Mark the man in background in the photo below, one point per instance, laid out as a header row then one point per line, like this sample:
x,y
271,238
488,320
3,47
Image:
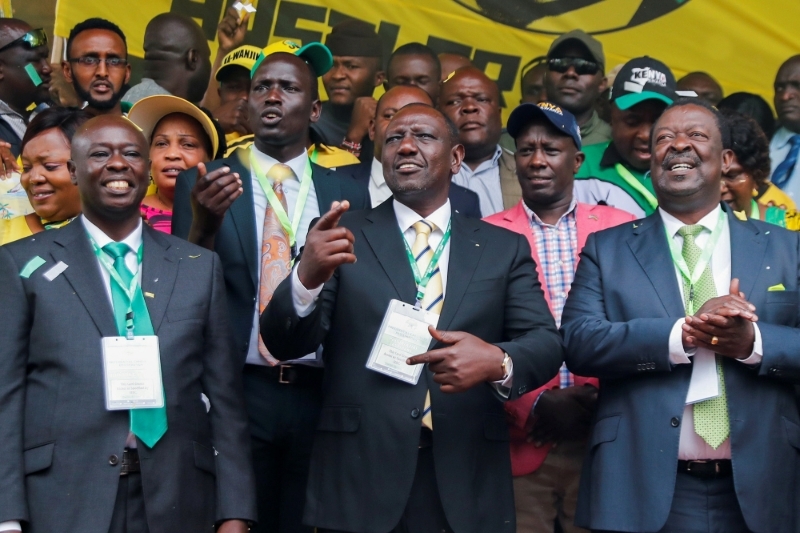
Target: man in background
x,y
414,64
703,85
784,148
451,62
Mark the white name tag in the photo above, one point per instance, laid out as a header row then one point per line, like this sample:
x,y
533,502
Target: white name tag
x,y
403,334
132,372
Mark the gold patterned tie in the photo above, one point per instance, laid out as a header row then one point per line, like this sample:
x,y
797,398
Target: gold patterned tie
x,y
434,295
276,253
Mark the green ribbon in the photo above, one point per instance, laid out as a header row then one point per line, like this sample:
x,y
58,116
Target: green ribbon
x,y
631,180
422,280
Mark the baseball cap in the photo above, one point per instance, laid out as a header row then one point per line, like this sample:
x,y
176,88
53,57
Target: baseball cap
x,y
640,79
315,54
594,46
244,56
147,112
563,120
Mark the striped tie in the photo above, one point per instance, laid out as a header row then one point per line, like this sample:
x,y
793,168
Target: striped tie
x,y
434,295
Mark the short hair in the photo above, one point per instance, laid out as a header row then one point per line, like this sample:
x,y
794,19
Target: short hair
x,y
749,144
699,102
223,143
753,106
452,129
416,49
95,24
66,119
526,68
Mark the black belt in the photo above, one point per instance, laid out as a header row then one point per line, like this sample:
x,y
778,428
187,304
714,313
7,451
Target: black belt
x,y
301,375
130,462
710,469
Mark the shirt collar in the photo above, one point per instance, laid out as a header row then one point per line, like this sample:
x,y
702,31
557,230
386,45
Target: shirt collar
x,y
134,240
407,217
782,137
535,218
6,109
590,124
709,222
298,164
376,173
486,165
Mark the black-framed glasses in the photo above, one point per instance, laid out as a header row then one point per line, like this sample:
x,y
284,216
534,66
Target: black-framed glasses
x,y
94,62
34,39
581,66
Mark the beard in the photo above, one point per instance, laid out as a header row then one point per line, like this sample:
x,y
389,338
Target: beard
x,y
100,105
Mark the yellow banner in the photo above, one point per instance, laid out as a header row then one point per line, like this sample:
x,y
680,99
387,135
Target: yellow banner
x,y
740,43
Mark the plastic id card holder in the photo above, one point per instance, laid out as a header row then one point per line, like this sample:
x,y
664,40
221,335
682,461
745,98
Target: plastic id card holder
x,y
403,334
132,373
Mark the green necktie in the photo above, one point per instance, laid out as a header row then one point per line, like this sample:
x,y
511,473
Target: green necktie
x,y
147,424
710,416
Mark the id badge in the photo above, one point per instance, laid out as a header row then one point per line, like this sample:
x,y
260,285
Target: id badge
x,y
403,334
132,373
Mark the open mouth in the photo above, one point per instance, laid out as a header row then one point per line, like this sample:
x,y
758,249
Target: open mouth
x,y
681,167
118,186
406,167
40,196
102,87
172,172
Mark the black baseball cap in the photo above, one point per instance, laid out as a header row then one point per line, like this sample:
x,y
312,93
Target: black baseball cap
x,y
563,120
643,78
592,45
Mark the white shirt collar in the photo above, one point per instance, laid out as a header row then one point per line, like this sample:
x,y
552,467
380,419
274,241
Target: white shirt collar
x,y
298,164
782,137
407,217
376,173
134,240
672,224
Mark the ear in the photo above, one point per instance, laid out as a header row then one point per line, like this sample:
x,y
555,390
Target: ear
x,y
580,157
127,74
371,130
316,110
192,59
73,177
727,160
380,77
603,85
66,68
456,157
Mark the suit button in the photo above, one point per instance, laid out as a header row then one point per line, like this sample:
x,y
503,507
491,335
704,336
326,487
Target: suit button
x,y
113,460
675,422
523,389
415,413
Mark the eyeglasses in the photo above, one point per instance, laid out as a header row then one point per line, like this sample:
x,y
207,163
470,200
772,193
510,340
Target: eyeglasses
x,y
93,62
34,39
581,66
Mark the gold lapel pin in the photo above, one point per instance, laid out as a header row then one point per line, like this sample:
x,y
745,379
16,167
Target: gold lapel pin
x,y
149,295
194,256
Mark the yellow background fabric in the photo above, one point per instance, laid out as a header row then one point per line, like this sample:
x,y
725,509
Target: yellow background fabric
x,y
741,43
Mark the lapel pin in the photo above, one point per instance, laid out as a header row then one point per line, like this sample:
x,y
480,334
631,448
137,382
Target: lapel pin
x,y
149,295
767,267
635,226
194,256
593,217
476,244
155,280
767,233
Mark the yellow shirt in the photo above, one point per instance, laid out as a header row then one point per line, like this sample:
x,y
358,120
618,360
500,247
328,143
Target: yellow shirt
x,y
777,197
321,154
14,229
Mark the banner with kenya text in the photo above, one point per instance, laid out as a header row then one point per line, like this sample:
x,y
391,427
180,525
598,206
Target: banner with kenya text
x,y
741,43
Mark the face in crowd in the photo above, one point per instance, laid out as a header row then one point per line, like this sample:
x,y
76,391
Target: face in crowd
x,y
18,89
630,131
418,70
390,103
533,89
352,77
787,94
574,79
98,68
178,143
45,176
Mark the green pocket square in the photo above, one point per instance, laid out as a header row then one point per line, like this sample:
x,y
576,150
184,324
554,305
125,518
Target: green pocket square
x,y
778,287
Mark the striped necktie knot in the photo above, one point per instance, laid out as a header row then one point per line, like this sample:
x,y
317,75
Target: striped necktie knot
x,y
279,172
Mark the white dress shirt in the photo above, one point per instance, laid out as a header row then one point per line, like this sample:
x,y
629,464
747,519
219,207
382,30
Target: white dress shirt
x,y
379,192
692,446
778,150
485,181
291,189
305,300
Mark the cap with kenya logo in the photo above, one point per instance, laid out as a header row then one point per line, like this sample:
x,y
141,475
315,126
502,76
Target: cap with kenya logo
x,y
643,78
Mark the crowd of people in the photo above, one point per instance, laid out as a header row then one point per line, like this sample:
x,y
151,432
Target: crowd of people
x,y
234,306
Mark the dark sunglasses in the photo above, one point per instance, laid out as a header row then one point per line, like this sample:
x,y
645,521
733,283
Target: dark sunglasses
x,y
34,39
581,66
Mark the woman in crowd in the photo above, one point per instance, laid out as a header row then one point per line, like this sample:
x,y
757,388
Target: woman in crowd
x,y
749,172
45,150
181,135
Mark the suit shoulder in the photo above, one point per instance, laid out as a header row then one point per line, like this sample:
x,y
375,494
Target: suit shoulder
x,y
495,231
609,213
766,228
32,245
183,249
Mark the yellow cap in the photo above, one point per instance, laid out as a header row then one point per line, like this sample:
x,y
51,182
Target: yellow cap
x,y
244,56
315,54
147,112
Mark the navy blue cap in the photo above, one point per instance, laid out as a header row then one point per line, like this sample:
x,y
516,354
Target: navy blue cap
x,y
563,120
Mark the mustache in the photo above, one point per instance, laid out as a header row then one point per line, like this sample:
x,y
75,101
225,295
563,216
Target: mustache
x,y
667,163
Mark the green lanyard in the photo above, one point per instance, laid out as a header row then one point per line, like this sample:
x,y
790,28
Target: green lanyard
x,y
631,180
694,276
130,291
272,198
754,211
422,281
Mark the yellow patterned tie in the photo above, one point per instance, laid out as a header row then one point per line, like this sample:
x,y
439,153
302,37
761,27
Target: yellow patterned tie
x,y
434,295
276,254
711,421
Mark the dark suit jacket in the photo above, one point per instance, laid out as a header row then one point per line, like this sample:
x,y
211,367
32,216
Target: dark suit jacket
x,y
365,451
462,200
236,241
57,437
623,303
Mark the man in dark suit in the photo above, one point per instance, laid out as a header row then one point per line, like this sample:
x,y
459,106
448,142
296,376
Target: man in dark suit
x,y
69,464
697,428
372,468
370,173
228,207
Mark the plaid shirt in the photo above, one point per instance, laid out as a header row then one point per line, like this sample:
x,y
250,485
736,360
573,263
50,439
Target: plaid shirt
x,y
555,246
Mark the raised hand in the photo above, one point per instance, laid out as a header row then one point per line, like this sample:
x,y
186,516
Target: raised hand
x,y
363,111
233,116
8,160
212,195
327,247
231,31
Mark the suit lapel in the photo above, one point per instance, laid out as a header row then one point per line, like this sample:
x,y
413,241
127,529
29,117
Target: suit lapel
x,y
328,190
748,248
158,275
84,275
243,215
466,246
386,241
650,247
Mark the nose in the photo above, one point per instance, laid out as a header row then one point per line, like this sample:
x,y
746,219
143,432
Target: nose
x,y
407,146
337,72
469,105
643,132
45,69
117,163
537,159
102,69
571,72
273,95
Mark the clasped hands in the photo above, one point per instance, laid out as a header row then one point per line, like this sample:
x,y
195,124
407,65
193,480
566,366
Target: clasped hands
x,y
723,325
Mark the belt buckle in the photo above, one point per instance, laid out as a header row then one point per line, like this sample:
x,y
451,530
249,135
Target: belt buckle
x,y
280,375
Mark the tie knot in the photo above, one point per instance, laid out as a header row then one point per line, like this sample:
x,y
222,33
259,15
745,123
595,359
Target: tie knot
x,y
424,227
116,249
690,231
280,172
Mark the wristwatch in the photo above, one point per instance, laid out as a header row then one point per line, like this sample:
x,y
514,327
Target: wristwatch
x,y
506,365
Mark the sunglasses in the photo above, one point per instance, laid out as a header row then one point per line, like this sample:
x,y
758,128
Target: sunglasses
x,y
34,39
581,66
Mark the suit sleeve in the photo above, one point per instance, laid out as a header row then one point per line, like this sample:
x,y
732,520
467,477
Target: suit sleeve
x,y
534,344
354,192
222,384
14,341
182,206
597,347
